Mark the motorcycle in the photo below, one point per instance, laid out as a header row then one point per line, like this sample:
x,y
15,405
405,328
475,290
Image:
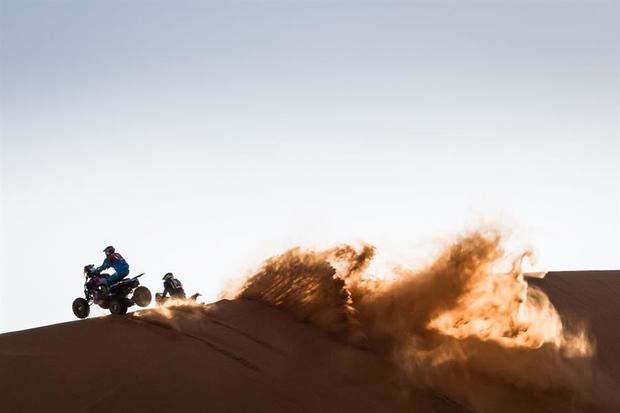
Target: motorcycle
x,y
161,300
117,297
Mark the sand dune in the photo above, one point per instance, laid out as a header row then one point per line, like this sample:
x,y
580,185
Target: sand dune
x,y
230,356
592,297
243,355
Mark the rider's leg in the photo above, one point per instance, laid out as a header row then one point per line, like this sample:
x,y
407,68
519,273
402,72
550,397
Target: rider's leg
x,y
116,276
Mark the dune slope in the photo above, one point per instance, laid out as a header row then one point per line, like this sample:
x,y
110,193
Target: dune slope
x,y
592,297
229,356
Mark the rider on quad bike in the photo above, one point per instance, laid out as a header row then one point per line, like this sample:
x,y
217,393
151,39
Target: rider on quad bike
x,y
116,261
174,287
113,292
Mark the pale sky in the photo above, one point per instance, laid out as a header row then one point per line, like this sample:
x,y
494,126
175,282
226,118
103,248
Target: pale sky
x,y
202,137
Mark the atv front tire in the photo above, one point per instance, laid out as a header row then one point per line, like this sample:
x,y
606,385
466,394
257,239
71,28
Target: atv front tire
x,y
117,306
142,296
81,309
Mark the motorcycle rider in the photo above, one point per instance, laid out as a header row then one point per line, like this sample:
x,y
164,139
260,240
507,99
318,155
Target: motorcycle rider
x,y
116,261
172,286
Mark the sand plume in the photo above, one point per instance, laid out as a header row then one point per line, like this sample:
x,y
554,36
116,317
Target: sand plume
x,y
467,326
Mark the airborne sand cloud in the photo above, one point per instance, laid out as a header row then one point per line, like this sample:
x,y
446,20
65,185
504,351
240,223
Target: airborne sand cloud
x,y
459,326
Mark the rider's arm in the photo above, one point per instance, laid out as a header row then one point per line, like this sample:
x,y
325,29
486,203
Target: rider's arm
x,y
106,264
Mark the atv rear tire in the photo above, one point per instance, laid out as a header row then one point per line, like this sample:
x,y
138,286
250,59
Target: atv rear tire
x,y
142,296
81,309
117,306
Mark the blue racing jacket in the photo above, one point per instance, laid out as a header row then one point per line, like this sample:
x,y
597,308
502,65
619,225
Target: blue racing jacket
x,y
115,261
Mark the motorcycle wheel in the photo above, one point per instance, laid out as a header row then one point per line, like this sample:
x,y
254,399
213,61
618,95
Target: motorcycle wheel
x,y
142,296
160,299
117,306
81,309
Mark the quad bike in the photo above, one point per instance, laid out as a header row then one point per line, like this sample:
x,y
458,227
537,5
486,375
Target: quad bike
x,y
114,297
160,299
